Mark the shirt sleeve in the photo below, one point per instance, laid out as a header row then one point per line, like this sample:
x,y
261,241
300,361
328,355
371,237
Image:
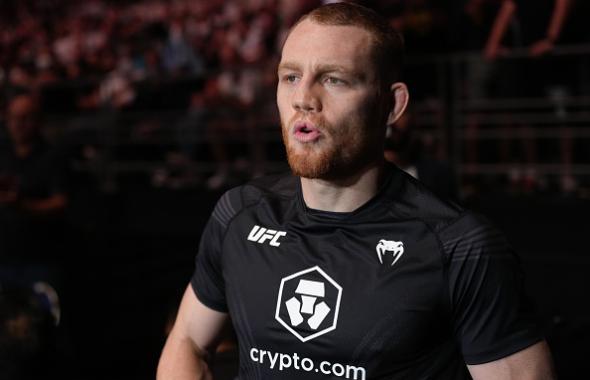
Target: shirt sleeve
x,y
491,315
208,281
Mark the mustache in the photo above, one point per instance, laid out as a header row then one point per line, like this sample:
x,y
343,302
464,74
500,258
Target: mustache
x,y
317,121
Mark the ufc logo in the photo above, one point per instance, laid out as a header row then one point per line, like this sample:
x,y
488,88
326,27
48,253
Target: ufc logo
x,y
261,235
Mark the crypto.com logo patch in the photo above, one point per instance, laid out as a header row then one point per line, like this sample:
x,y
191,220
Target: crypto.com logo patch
x,y
308,303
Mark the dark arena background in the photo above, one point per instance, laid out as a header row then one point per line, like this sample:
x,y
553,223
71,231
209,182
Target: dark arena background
x,y
123,122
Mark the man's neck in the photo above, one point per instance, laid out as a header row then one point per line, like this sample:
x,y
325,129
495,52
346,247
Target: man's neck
x,y
345,195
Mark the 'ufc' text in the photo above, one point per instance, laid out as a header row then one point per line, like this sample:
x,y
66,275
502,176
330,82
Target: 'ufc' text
x,y
261,235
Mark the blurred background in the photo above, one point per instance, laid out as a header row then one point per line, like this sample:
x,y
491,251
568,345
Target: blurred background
x,y
123,121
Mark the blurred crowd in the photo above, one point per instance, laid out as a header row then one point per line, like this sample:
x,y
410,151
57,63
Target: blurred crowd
x,y
120,41
186,72
209,59
48,40
214,60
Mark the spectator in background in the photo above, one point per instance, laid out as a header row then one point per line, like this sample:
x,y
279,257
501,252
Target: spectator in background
x,y
33,200
532,27
178,57
539,24
472,22
240,87
66,47
423,24
190,130
29,348
230,107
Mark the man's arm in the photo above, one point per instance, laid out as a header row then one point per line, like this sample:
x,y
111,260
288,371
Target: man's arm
x,y
505,14
558,17
532,363
193,337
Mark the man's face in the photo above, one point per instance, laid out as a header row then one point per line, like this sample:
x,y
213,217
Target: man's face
x,y
332,107
21,120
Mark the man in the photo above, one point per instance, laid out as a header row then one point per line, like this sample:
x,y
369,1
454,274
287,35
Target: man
x,y
28,177
540,26
33,198
351,268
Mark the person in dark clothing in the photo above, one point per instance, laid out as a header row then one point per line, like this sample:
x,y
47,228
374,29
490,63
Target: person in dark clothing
x,y
33,199
349,267
533,28
29,348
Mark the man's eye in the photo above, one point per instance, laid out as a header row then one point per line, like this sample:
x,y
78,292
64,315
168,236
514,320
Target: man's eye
x,y
334,80
290,78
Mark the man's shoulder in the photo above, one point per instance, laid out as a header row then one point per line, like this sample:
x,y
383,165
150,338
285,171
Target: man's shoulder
x,y
270,188
411,199
452,223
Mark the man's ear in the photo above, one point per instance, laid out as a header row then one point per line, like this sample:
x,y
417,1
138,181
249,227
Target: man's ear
x,y
400,98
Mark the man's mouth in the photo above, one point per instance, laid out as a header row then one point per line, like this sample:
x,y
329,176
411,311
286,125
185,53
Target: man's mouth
x,y
306,132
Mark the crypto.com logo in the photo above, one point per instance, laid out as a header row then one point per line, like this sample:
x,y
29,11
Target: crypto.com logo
x,y
308,303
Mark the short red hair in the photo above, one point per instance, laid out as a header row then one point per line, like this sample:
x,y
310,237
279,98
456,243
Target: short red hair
x,y
388,43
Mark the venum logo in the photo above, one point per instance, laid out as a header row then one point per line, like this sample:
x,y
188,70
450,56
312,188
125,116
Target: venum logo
x,y
308,303
396,248
261,235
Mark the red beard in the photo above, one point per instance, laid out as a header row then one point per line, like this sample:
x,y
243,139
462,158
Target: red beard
x,y
309,164
340,157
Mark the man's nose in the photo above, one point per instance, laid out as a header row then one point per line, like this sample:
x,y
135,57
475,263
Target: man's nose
x,y
306,98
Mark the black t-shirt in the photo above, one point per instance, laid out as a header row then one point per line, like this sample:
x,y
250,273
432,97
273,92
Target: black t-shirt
x,y
405,287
